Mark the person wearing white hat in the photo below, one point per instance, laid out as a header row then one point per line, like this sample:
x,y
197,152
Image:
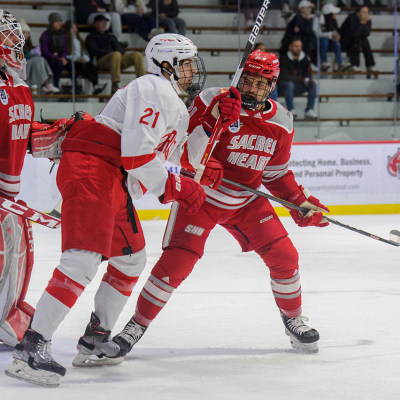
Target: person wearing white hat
x,y
302,25
39,75
326,26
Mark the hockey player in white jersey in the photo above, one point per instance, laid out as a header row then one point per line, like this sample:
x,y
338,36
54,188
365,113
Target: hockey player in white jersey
x,y
143,125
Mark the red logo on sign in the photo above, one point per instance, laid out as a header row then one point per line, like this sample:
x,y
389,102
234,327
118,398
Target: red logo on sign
x,y
394,164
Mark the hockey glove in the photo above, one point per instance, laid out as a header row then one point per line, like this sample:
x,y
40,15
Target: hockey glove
x,y
213,174
228,104
185,191
314,217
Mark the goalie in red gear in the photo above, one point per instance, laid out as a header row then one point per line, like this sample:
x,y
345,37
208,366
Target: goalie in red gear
x,y
253,151
16,242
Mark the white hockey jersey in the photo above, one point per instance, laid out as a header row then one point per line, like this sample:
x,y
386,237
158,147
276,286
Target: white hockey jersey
x,y
152,121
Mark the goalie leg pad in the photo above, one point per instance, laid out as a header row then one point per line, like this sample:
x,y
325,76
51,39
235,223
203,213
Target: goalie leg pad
x,y
16,263
281,257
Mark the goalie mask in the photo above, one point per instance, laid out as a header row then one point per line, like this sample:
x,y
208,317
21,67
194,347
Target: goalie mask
x,y
189,72
258,79
12,43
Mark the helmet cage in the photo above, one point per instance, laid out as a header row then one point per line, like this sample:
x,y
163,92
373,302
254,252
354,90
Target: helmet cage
x,y
250,100
12,52
175,49
259,64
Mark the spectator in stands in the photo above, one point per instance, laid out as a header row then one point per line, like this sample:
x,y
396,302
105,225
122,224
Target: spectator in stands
x,y
39,75
295,78
326,26
78,54
109,54
168,11
87,10
136,15
53,45
302,26
354,34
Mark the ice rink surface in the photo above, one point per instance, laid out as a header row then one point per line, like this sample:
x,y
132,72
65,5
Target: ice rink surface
x,y
221,337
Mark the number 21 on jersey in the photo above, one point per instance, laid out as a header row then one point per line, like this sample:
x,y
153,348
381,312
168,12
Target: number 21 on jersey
x,y
148,118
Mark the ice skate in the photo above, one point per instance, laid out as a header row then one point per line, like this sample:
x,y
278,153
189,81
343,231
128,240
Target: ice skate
x,y
302,337
95,347
129,336
33,362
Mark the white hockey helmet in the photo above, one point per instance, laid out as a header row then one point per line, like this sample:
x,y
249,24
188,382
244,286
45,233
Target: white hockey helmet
x,y
173,48
12,42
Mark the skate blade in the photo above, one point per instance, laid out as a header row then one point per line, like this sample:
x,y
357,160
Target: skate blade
x,y
20,370
89,360
305,348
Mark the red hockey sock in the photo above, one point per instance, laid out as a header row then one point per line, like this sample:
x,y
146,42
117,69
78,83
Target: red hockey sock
x,y
171,269
281,257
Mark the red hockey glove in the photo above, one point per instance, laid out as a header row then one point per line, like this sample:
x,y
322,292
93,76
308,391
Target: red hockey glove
x,y
185,191
213,174
228,104
314,217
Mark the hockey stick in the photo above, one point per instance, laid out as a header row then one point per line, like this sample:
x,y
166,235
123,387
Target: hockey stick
x,y
394,234
56,211
216,133
29,213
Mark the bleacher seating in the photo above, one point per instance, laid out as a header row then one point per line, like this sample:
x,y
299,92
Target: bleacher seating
x,y
345,99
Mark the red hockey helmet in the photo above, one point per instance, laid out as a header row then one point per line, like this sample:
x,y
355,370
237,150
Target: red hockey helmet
x,y
259,64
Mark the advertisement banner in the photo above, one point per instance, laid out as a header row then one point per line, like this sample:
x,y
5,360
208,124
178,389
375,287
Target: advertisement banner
x,y
349,173
346,174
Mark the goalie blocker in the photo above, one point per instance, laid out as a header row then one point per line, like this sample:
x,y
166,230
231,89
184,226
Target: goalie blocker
x,y
16,262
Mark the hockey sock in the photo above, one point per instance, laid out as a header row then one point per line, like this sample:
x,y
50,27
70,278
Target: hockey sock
x,y
281,257
113,293
171,269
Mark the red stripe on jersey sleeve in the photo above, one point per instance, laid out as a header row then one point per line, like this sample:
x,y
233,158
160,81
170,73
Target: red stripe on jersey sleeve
x,y
185,159
136,162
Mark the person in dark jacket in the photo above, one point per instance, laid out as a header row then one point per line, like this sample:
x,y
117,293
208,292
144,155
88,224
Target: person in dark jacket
x,y
302,26
53,45
109,54
295,78
168,11
354,34
87,10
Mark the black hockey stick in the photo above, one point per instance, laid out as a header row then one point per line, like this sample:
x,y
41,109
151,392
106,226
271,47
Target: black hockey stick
x,y
394,234
216,133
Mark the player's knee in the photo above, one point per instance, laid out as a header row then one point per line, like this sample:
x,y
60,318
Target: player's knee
x,y
79,265
131,264
175,265
281,257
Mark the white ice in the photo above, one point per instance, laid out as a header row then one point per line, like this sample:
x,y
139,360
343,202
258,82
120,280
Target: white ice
x,y
221,337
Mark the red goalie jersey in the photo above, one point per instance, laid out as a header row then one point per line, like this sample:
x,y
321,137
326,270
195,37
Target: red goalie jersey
x,y
16,115
254,150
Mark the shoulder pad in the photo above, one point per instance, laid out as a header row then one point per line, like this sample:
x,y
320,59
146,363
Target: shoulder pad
x,y
283,118
208,94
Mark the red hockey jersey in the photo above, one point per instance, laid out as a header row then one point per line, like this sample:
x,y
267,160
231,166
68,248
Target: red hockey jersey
x,y
254,150
16,116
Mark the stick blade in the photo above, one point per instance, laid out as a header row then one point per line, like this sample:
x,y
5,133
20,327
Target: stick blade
x,y
395,236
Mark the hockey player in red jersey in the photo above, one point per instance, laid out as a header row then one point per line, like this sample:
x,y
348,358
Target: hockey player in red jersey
x,y
16,242
253,151
121,150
